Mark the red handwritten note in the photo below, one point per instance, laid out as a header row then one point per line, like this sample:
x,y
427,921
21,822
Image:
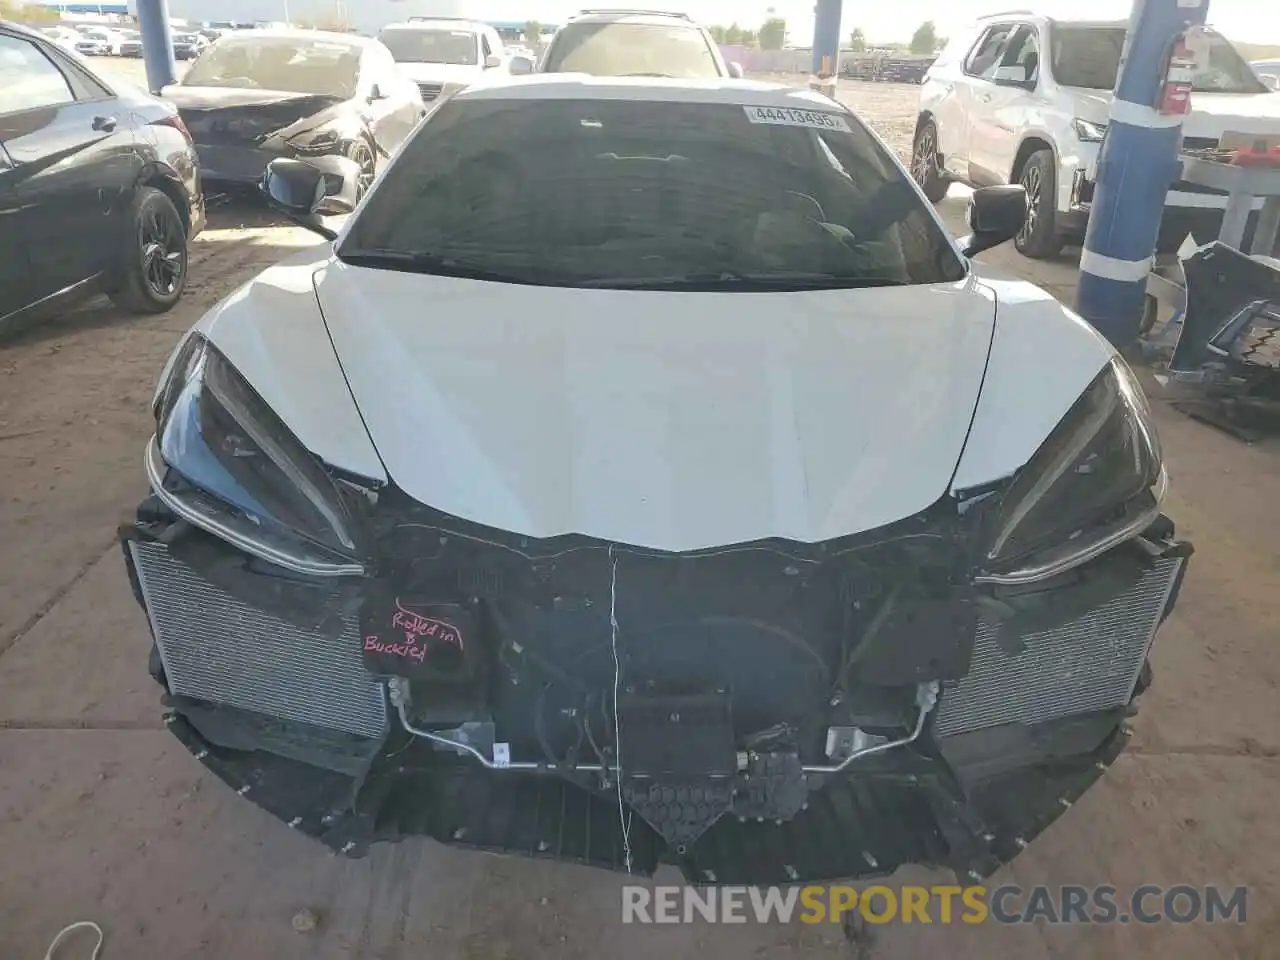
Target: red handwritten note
x,y
402,639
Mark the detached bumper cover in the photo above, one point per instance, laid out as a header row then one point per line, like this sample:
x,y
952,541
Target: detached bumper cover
x,y
266,685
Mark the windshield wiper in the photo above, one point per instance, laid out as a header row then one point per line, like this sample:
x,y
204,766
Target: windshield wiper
x,y
735,280
413,261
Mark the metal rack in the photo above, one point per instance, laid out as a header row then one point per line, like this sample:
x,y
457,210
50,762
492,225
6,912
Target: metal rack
x,y
1242,185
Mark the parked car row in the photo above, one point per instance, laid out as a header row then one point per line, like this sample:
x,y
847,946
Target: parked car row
x,y
248,98
143,162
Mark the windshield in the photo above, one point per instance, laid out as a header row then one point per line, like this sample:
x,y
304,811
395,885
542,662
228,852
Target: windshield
x,y
639,194
1089,57
292,65
631,49
415,45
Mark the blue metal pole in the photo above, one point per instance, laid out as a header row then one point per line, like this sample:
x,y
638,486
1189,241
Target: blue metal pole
x,y
826,37
1137,163
157,43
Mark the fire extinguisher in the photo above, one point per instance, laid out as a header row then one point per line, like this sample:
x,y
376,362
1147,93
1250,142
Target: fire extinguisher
x,y
1180,70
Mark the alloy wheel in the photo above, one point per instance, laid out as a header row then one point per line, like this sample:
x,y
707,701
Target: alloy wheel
x,y
1032,183
924,159
163,252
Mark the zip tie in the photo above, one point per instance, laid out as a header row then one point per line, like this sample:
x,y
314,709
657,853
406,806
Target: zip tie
x,y
72,928
623,819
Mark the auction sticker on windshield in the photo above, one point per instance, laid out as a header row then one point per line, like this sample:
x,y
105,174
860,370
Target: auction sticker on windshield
x,y
791,117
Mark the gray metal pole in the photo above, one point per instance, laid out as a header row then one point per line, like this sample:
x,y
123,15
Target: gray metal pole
x,y
157,43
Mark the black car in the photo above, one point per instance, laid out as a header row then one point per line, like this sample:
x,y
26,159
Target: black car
x,y
261,94
99,186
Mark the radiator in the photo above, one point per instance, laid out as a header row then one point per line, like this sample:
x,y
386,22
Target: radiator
x,y
1091,663
218,649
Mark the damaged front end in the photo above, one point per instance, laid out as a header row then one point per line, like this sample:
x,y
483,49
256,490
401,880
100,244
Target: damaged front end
x,y
936,691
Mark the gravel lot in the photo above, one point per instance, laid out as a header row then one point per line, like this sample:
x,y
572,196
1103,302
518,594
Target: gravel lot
x,y
104,816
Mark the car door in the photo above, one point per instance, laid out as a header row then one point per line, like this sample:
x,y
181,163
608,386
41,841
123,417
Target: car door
x,y
15,268
1006,103
974,93
73,164
397,109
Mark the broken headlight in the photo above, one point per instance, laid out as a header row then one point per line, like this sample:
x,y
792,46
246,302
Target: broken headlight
x,y
240,472
1094,483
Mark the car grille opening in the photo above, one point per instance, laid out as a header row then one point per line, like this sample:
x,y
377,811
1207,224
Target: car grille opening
x,y
218,649
1087,664
430,90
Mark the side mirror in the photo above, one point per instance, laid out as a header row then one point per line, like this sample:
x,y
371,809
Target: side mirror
x,y
377,93
1270,81
305,191
492,61
995,215
519,66
736,71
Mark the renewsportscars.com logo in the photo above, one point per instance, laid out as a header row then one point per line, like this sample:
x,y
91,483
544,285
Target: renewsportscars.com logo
x,y
940,904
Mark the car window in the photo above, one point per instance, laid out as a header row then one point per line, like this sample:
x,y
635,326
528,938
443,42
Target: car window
x,y
84,86
622,49
986,54
287,64
28,79
620,192
1089,57
484,46
1023,50
417,45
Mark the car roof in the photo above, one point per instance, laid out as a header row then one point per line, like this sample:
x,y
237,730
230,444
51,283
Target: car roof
x,y
435,23
1069,21
10,27
632,16
581,86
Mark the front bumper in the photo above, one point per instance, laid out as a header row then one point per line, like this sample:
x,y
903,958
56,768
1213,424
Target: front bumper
x,y
265,684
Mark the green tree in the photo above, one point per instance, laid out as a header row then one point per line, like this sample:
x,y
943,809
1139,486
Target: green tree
x,y
748,38
857,40
27,12
717,33
532,31
773,33
925,39
733,34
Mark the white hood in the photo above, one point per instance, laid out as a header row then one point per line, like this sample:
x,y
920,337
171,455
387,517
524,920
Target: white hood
x,y
451,73
1212,114
676,421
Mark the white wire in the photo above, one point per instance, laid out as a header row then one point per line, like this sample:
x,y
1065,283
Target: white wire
x,y
624,817
71,928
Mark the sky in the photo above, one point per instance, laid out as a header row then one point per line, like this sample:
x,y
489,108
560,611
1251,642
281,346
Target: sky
x,y
1253,21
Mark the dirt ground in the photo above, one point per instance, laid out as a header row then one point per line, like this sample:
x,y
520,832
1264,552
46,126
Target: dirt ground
x,y
104,817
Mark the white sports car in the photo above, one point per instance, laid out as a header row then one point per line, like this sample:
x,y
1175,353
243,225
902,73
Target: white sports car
x,y
643,474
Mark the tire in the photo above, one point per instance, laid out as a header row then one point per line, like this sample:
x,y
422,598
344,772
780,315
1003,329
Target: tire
x,y
1039,237
924,163
362,152
154,272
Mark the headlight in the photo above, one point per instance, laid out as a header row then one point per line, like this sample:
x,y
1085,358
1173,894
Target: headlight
x,y
241,474
1088,131
1096,482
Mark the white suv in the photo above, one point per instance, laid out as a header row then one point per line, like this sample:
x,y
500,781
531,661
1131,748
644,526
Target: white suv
x,y
636,43
1021,98
443,55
